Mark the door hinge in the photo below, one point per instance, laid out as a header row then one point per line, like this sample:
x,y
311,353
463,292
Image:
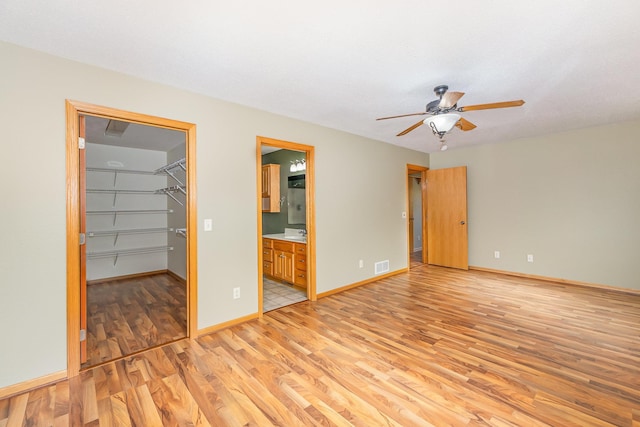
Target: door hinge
x,y
83,239
81,143
83,335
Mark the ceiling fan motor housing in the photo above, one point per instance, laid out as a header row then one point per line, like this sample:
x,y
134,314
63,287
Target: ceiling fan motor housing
x,y
440,90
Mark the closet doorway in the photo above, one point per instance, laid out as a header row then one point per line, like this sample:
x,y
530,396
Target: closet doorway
x,y
131,199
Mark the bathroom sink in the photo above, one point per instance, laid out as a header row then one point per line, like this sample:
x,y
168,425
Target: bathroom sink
x,y
296,238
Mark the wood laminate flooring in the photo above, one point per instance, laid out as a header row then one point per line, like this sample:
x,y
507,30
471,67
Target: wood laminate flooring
x,y
433,346
416,259
125,316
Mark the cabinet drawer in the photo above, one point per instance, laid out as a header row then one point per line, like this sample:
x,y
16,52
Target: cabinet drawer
x,y
300,278
279,245
267,268
301,263
267,243
300,249
267,254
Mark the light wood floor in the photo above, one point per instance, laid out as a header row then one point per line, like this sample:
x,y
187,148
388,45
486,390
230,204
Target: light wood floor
x,y
129,315
416,259
430,347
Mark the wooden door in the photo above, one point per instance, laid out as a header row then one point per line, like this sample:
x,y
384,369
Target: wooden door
x,y
447,217
82,198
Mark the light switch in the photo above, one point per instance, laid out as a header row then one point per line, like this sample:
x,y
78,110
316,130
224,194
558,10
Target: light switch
x,y
208,225
404,214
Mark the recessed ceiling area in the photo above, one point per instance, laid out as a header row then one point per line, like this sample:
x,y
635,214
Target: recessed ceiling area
x,y
344,64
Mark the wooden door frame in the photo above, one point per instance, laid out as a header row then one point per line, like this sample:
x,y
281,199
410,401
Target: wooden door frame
x,y
422,170
309,151
73,110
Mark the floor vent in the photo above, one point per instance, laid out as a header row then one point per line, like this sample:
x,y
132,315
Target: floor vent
x,y
382,267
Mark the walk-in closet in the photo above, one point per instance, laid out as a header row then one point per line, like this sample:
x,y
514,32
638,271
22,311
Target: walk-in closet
x,y
135,211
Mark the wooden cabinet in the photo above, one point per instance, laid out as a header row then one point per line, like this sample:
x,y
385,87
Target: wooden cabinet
x,y
271,188
283,260
267,257
300,273
286,261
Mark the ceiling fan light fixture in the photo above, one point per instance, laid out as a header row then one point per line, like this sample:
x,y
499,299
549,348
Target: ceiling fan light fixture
x,y
442,123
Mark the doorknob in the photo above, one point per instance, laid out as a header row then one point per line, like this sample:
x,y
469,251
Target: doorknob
x,y
461,222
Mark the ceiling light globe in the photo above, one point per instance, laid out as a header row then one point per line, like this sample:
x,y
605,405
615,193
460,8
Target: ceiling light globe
x,y
442,122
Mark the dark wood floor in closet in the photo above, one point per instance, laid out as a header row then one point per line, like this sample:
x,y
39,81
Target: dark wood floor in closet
x,y
129,315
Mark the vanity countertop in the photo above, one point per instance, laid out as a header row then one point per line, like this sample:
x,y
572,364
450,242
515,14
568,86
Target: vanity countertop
x,y
298,238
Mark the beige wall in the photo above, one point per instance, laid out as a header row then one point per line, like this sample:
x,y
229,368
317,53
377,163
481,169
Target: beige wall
x,y
571,199
360,195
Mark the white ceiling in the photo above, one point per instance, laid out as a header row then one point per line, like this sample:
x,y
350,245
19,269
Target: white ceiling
x,y
342,64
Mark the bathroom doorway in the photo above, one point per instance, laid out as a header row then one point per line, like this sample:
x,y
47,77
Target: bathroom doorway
x,y
286,223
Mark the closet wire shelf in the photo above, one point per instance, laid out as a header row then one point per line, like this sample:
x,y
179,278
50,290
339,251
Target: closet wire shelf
x,y
134,251
169,191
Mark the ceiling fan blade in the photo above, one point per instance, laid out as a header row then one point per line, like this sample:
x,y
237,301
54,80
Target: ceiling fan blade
x,y
449,99
409,129
403,115
493,105
464,124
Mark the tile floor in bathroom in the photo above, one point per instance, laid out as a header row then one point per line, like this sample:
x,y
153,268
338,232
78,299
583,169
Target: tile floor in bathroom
x,y
276,295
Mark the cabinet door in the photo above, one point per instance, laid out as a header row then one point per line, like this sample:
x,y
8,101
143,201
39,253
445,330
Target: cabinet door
x,y
266,181
287,267
278,264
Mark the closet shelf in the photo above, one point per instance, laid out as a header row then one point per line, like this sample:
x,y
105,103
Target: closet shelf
x,y
170,190
115,213
177,164
95,190
166,169
130,211
115,170
125,252
127,231
117,233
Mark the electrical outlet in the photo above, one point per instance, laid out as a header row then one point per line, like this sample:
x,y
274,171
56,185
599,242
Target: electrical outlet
x,y
360,264
530,258
496,254
236,293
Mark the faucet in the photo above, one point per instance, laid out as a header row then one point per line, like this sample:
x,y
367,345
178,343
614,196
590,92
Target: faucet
x,y
303,232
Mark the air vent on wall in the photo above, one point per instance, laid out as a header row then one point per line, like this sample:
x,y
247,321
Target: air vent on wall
x,y
382,267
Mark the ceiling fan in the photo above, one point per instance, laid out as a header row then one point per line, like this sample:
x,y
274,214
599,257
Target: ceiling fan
x,y
444,111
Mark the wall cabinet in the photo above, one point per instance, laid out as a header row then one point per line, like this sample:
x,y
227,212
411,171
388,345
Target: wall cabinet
x,y
285,261
271,188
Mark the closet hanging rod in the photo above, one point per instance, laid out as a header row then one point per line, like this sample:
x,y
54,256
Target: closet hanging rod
x,y
128,231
